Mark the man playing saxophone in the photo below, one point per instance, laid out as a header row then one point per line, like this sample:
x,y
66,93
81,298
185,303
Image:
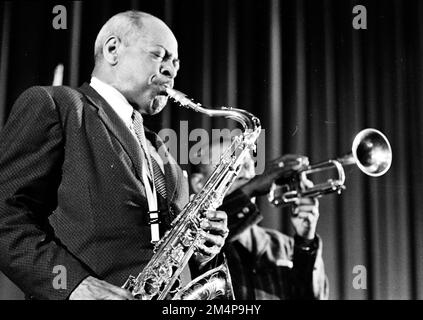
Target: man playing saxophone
x,y
84,186
265,264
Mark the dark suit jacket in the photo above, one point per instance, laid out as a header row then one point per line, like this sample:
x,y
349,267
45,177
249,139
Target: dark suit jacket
x,y
71,194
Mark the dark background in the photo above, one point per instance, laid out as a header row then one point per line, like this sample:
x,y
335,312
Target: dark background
x,y
312,79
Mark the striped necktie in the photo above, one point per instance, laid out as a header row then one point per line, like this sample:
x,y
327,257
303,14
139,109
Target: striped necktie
x,y
159,178
153,166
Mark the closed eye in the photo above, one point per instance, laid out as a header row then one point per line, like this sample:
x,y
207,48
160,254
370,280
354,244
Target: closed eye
x,y
158,56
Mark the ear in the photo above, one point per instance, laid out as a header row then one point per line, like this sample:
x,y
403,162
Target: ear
x,y
110,50
197,182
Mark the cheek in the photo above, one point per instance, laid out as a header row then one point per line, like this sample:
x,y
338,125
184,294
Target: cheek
x,y
139,71
148,66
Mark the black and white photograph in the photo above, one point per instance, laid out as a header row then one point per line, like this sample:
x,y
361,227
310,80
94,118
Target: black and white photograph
x,y
227,150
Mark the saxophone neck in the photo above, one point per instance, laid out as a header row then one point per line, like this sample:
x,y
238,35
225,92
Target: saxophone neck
x,y
249,122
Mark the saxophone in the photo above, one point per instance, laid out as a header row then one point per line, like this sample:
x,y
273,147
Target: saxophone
x,y
159,279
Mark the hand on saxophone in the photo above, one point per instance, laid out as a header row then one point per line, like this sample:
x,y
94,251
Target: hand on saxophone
x,y
95,289
215,231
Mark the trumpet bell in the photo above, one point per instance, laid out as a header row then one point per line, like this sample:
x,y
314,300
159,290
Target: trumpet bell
x,y
372,152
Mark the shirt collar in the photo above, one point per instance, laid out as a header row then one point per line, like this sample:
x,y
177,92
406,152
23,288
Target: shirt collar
x,y
115,99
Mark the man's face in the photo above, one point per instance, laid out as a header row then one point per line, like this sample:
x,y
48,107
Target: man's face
x,y
147,66
247,168
246,174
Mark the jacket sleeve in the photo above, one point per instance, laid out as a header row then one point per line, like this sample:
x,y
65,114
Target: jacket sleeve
x,y
309,280
31,156
242,213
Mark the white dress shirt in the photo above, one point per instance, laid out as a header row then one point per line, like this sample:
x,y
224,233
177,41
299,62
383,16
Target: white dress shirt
x,y
123,109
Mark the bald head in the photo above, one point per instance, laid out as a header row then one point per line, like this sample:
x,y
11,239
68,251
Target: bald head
x,y
128,26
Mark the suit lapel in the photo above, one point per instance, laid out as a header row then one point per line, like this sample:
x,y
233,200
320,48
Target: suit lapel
x,y
115,125
118,128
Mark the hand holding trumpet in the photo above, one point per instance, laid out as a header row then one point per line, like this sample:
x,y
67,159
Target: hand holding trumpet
x,y
305,214
305,210
281,168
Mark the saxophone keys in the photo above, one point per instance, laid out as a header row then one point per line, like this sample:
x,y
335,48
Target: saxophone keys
x,y
129,284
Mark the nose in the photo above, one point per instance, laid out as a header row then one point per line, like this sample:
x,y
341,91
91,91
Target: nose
x,y
247,170
168,70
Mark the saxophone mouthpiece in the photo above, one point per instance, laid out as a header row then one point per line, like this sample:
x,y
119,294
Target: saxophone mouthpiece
x,y
182,99
169,91
175,94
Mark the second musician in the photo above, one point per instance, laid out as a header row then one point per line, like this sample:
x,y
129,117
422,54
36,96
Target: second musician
x,y
264,263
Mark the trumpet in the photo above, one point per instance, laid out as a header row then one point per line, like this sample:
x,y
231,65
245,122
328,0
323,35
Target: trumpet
x,y
370,151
